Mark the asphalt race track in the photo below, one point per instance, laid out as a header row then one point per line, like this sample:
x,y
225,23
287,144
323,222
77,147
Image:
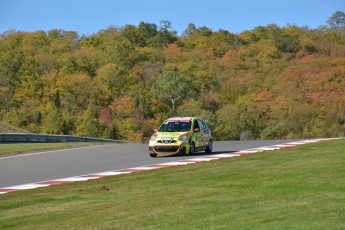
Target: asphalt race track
x,y
51,165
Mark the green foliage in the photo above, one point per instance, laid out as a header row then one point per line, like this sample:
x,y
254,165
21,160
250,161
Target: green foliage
x,y
87,124
337,20
51,123
267,83
172,88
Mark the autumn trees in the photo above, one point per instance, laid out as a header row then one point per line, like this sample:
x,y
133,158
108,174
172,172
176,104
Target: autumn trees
x,y
120,83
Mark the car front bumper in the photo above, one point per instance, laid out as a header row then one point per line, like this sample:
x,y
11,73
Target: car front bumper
x,y
167,149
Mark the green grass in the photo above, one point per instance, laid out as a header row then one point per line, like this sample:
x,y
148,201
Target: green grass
x,y
19,148
296,188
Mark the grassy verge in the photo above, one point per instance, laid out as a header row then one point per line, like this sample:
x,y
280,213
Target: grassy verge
x,y
7,128
295,188
19,148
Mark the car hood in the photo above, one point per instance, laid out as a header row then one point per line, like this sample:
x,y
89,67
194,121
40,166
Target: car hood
x,y
174,135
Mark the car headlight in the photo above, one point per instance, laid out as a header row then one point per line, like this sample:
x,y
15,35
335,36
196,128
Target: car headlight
x,y
183,137
153,137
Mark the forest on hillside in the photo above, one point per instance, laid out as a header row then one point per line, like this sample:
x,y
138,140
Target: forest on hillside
x,y
267,83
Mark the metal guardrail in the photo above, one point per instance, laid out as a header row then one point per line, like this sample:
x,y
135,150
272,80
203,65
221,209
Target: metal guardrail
x,y
45,138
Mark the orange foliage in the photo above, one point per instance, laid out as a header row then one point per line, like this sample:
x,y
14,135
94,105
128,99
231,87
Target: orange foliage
x,y
104,116
263,96
123,107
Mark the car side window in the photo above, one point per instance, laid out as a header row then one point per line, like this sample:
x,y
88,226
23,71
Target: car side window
x,y
196,125
202,125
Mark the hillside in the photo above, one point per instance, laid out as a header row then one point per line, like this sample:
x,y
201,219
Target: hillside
x,y
267,83
7,128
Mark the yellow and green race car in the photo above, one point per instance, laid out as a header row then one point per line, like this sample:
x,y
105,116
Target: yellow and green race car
x,y
181,135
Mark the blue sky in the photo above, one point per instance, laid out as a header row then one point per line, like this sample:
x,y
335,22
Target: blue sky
x,y
90,16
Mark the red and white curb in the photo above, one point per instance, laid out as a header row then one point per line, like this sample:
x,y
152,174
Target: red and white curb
x,y
155,166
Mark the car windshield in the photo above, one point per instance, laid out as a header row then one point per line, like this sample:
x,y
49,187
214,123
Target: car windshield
x,y
175,126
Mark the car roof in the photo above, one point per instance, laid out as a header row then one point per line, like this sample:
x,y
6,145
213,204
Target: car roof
x,y
172,119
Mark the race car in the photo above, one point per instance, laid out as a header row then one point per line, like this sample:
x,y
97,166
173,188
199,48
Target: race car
x,y
181,136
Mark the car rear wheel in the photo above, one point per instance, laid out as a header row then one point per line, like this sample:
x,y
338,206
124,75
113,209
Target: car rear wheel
x,y
191,148
209,147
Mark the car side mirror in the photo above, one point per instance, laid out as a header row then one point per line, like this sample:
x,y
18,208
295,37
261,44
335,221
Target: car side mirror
x,y
155,130
196,130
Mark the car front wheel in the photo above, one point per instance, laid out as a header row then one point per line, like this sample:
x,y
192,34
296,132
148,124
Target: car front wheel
x,y
191,148
153,155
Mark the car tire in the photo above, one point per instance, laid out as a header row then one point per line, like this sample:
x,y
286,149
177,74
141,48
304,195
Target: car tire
x,y
153,155
209,147
191,149
183,152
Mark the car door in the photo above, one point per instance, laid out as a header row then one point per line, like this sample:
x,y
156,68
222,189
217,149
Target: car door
x,y
206,133
198,134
